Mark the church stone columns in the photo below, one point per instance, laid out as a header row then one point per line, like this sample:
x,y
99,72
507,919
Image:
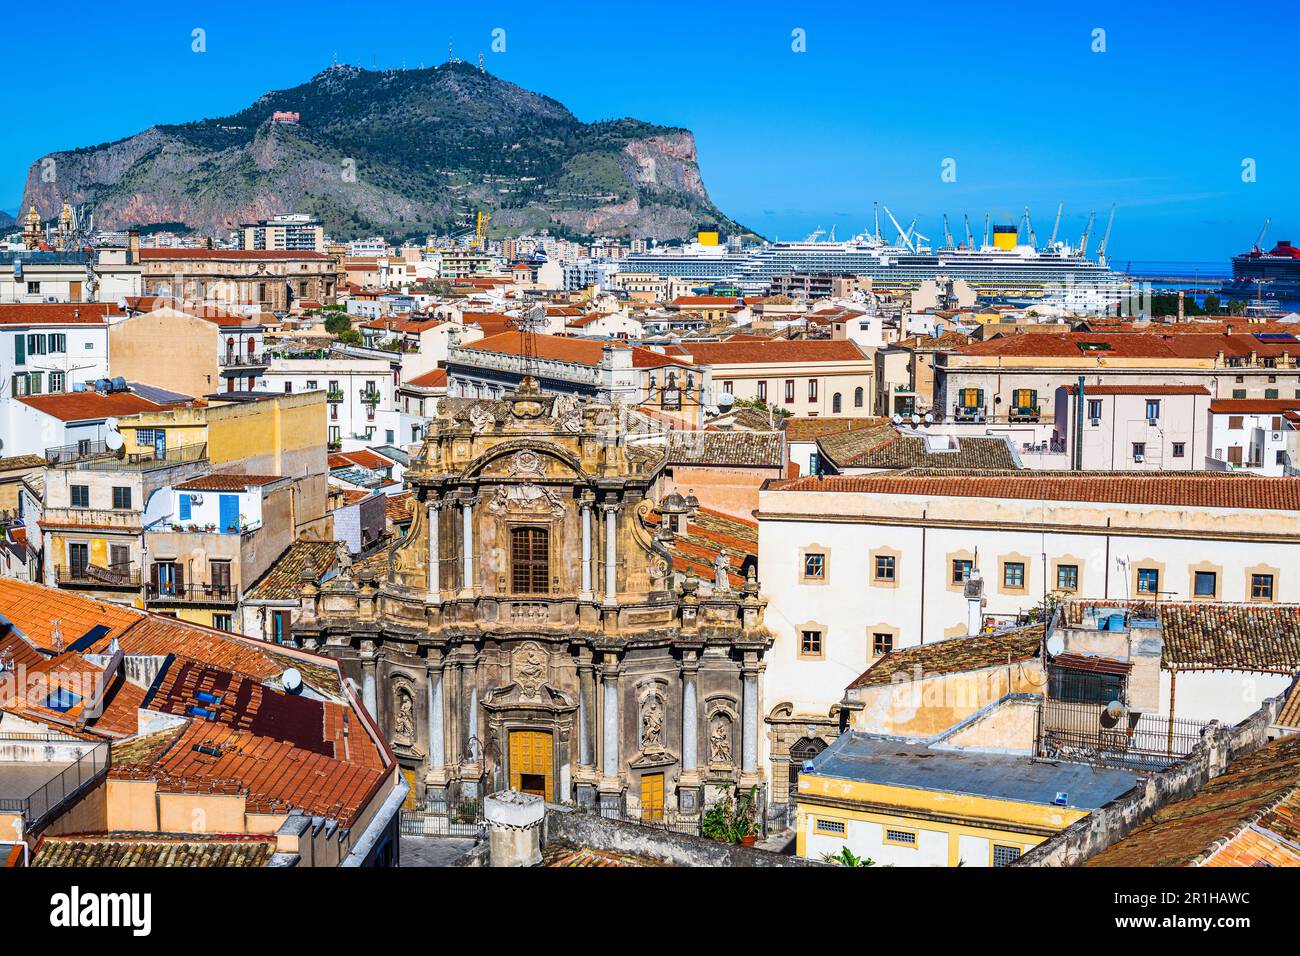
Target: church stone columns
x,y
585,592
435,780
688,784
611,554
434,557
610,785
467,547
749,716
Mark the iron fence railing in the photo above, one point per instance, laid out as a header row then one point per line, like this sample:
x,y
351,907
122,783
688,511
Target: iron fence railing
x,y
93,575
43,803
191,593
1087,733
446,818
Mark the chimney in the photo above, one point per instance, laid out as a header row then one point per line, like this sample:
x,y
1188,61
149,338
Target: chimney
x,y
514,822
133,246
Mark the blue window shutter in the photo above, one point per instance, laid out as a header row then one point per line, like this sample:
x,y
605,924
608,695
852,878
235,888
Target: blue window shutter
x,y
185,508
20,349
229,512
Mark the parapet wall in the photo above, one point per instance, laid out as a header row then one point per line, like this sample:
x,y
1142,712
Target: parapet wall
x,y
1110,824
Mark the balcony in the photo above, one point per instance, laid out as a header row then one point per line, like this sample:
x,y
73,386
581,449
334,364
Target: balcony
x,y
220,594
334,395
78,451
124,577
100,519
233,360
968,413
1024,413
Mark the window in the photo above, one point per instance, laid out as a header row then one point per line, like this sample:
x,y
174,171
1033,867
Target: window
x,y
58,342
1139,450
78,559
1004,855
288,388
221,622
882,643
810,643
812,389
1153,409
1094,408
885,567
1067,577
219,577
1235,421
1261,587
857,397
530,560
1084,687
901,837
80,496
1013,574
831,827
1238,393
762,391
1270,393
729,387
1148,580
961,569
789,390
1205,584
814,565
1180,449
836,404
121,499
57,380
183,512
311,384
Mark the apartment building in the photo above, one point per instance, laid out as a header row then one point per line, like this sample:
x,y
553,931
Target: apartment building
x,y
1010,379
297,232
359,394
867,564
1259,435
1129,427
52,347
33,276
72,424
808,378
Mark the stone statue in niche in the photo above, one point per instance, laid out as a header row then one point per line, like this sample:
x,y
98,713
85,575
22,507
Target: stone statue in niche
x,y
343,557
480,419
567,413
720,740
404,722
528,666
721,564
652,726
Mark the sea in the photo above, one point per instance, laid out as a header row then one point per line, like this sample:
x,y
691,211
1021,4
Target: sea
x,y
1188,274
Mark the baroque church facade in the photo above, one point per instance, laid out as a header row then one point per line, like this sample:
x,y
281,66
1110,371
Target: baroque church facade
x,y
529,632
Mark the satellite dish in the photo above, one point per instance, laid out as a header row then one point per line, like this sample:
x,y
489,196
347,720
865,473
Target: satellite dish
x,y
113,441
897,419
110,424
916,419
1115,709
726,400
291,681
929,419
121,303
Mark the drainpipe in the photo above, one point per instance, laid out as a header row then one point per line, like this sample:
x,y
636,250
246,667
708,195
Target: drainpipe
x,y
1079,406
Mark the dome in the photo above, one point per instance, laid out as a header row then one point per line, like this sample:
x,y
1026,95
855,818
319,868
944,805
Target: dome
x,y
673,504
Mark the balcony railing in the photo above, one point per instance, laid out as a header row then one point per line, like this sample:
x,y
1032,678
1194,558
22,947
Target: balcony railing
x,y
1024,413
95,576
157,593
73,781
78,451
244,360
968,413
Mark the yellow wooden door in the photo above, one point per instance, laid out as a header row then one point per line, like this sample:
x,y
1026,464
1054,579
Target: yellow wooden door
x,y
531,763
409,803
652,796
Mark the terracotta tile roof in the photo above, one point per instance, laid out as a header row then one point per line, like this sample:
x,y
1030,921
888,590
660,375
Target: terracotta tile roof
x,y
362,457
705,300
775,352
1290,715
21,461
58,313
1108,345
276,776
397,508
1185,489
1257,794
759,449
1153,389
955,655
282,581
83,406
435,379
576,351
810,429
218,481
559,854
1253,406
135,849
885,448
34,610
1215,636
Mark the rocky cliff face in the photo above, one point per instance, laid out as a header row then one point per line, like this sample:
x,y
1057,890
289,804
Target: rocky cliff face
x,y
398,153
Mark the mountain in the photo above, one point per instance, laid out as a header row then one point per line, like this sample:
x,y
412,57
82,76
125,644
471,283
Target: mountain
x,y
6,220
397,153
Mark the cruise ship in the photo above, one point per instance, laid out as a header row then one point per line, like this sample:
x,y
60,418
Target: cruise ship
x,y
1003,267
1274,274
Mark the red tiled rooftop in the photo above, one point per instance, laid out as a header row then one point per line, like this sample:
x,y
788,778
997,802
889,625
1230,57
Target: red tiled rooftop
x,y
775,352
1184,489
1141,390
576,351
58,313
231,254
434,379
226,482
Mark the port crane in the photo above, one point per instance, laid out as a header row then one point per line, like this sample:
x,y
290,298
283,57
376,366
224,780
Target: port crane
x,y
1029,229
1101,250
1056,225
903,236
947,235
970,240
1083,240
1259,241
986,228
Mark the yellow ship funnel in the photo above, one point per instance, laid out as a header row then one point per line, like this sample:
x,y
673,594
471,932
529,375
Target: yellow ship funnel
x,y
1005,237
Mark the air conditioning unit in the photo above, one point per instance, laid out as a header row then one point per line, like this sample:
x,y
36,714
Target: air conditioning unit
x,y
1277,436
1096,422
1138,458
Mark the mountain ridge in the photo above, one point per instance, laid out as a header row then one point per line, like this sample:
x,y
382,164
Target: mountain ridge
x,y
397,152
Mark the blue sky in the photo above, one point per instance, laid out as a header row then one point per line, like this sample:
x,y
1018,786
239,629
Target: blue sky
x,y
1159,123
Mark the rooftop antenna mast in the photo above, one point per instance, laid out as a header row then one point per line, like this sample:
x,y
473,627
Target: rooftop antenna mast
x,y
1056,225
527,324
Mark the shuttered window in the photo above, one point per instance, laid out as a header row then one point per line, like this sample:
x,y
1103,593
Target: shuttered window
x,y
530,571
